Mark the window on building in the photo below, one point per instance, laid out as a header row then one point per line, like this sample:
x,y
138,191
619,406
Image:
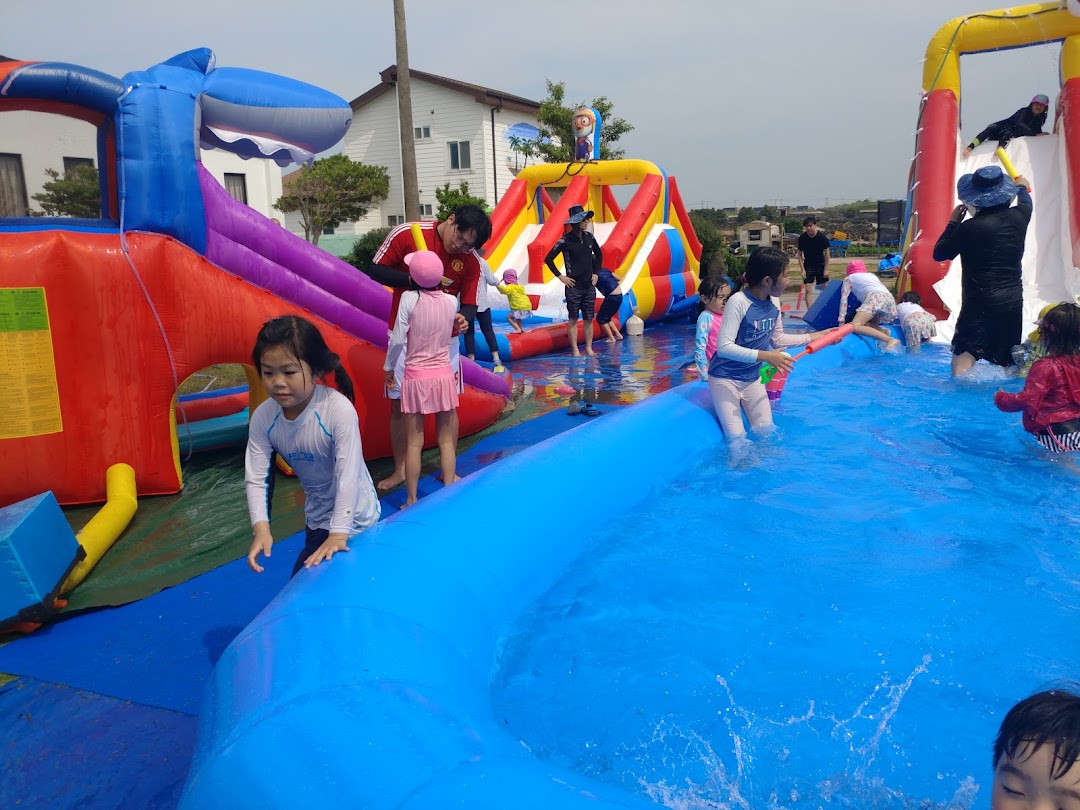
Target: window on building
x,y
755,236
71,162
328,231
236,185
421,133
394,220
13,200
426,210
460,158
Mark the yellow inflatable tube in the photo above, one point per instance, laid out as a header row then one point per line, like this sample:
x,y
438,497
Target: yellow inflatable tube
x,y
993,31
108,524
603,173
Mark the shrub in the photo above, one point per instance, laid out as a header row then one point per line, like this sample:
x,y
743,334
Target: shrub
x,y
364,249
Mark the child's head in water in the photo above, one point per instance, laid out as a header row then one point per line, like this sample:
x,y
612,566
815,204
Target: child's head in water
x,y
714,292
1036,752
1059,330
290,354
766,272
911,297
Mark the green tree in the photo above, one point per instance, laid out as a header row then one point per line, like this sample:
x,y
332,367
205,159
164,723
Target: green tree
x,y
450,199
335,189
715,216
364,249
712,244
746,214
769,214
555,141
76,194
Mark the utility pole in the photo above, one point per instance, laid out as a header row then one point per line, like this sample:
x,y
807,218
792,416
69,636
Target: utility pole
x,y
410,185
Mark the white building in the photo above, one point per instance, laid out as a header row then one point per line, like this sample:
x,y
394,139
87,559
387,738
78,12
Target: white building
x,y
461,132
759,233
31,142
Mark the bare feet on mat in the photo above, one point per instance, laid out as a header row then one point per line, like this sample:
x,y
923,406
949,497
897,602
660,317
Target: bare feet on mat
x,y
391,481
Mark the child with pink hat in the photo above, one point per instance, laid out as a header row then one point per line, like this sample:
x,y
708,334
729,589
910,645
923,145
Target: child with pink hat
x,y
876,305
423,331
520,303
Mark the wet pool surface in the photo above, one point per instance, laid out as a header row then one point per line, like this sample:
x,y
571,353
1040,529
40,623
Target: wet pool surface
x,y
838,614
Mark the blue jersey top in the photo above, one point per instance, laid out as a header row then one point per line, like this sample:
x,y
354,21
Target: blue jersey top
x,y
606,282
750,325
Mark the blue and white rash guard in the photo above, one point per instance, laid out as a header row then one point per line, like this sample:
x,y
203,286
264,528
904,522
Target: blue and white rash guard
x,y
322,445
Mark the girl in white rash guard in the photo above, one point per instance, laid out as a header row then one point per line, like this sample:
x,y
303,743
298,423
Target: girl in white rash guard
x,y
316,430
751,333
876,305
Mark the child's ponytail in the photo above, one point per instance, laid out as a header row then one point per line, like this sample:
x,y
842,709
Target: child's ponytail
x,y
342,380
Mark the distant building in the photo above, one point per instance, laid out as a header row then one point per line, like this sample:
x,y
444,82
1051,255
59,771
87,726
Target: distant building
x,y
757,234
461,131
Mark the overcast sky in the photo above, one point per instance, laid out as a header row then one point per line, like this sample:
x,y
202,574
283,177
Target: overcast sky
x,y
749,102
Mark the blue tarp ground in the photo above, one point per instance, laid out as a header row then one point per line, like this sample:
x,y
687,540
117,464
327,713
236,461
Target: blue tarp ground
x,y
67,748
158,651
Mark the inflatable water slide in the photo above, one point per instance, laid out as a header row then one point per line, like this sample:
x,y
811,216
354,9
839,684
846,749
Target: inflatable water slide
x,y
650,245
1051,163
101,320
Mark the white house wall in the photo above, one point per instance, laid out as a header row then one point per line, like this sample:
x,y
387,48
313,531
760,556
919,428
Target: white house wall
x,y
504,155
451,116
377,143
262,177
45,139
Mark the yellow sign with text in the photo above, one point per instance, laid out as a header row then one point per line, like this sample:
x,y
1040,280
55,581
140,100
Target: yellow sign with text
x,y
29,396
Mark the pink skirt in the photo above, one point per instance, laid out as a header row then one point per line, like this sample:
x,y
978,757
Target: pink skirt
x,y
429,395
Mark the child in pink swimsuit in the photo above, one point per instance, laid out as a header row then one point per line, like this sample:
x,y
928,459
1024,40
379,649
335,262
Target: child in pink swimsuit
x,y
713,292
425,321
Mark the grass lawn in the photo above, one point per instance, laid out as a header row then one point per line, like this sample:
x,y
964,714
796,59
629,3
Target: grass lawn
x,y
213,378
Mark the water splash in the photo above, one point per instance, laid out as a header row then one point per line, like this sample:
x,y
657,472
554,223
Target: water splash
x,y
726,770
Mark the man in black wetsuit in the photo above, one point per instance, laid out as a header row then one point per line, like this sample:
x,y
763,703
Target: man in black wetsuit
x,y
582,259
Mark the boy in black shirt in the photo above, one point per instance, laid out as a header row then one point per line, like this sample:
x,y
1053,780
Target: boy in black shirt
x,y
582,259
813,257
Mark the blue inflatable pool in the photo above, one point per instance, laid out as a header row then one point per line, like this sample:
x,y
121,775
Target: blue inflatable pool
x,y
367,682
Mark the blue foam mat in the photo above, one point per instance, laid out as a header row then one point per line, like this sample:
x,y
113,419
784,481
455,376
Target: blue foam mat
x,y
64,748
158,651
